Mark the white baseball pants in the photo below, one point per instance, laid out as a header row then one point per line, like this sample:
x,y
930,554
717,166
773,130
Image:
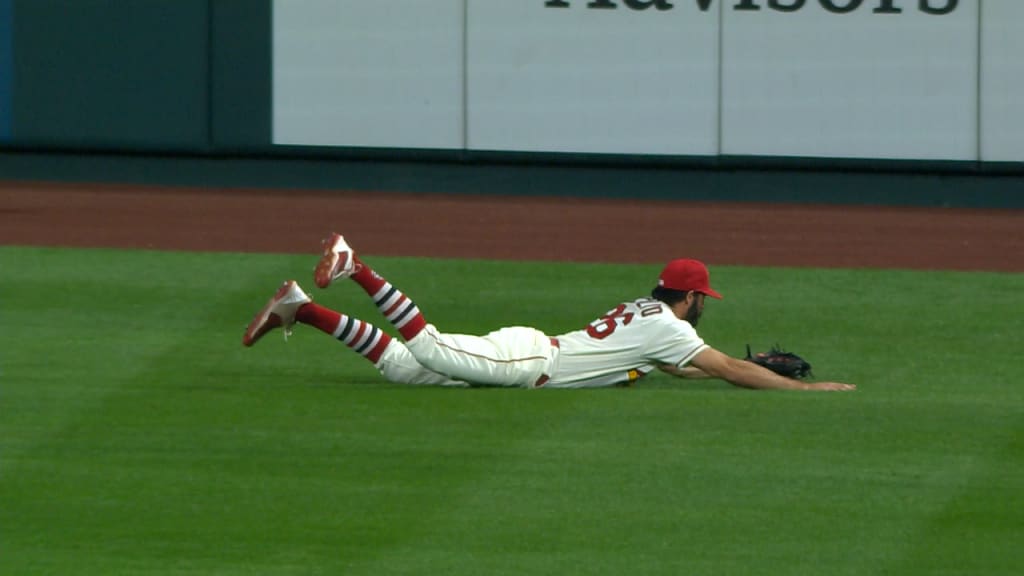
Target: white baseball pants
x,y
516,356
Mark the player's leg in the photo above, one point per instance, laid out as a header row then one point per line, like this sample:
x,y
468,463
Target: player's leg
x,y
515,356
339,260
389,356
398,365
510,357
290,305
362,337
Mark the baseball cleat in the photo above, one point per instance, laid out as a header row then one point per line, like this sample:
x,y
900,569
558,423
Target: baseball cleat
x,y
278,313
338,261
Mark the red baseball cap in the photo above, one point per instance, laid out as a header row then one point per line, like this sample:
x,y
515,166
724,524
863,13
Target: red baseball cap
x,y
685,275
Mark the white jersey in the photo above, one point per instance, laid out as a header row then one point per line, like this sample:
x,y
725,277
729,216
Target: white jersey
x,y
617,348
623,345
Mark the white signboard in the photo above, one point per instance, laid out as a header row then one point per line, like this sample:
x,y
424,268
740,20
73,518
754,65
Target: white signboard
x,y
1002,81
579,79
861,84
820,78
368,73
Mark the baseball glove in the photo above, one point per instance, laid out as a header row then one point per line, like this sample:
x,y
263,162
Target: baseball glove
x,y
781,362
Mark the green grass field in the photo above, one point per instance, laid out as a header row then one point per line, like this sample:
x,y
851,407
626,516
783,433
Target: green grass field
x,y
137,436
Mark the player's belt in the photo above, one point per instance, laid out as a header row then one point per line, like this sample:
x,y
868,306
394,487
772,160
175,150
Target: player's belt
x,y
544,377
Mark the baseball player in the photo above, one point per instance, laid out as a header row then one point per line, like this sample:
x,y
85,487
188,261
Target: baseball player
x,y
618,348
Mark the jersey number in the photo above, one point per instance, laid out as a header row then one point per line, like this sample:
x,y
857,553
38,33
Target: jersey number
x,y
605,325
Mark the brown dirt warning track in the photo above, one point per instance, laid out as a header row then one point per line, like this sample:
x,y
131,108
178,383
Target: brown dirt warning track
x,y
511,227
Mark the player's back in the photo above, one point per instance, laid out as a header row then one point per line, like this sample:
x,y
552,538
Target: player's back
x,y
627,342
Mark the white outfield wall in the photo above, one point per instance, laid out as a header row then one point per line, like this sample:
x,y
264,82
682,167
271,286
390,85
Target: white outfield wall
x,y
368,73
1002,81
862,85
900,79
614,81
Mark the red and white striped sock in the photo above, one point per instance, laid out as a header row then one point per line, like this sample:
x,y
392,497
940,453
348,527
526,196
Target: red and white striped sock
x,y
363,337
402,312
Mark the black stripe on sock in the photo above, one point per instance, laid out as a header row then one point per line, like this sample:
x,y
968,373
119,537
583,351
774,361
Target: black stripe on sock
x,y
348,328
369,340
385,297
405,312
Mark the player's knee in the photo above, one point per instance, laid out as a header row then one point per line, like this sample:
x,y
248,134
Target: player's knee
x,y
424,348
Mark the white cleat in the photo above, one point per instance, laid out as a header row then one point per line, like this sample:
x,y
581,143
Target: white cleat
x,y
278,313
338,261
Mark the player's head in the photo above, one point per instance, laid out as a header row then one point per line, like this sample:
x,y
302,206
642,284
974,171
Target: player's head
x,y
693,309
685,281
685,275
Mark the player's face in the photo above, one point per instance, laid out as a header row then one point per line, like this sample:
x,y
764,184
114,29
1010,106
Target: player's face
x,y
695,310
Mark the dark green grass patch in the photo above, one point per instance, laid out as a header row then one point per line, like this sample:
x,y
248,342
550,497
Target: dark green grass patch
x,y
138,436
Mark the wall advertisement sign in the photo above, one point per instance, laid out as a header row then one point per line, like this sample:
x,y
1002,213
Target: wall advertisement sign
x,y
902,79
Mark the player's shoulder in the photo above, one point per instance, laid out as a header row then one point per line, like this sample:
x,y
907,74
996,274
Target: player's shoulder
x,y
653,311
649,310
648,306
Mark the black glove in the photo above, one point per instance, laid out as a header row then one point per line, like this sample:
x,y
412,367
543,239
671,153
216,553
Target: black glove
x,y
781,362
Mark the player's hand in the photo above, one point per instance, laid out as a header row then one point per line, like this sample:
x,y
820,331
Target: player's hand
x,y
830,386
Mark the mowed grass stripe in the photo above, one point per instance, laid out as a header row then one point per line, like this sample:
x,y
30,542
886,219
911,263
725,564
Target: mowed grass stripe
x,y
153,443
150,411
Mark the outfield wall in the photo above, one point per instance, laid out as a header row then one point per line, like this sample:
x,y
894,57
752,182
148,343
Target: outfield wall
x,y
899,79
731,88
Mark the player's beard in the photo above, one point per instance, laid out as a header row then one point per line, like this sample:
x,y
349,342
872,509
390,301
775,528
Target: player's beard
x,y
693,314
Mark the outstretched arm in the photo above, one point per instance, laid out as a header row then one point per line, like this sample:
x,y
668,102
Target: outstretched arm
x,y
745,374
686,372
